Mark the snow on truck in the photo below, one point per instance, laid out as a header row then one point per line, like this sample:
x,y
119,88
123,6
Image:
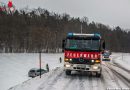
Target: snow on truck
x,y
83,52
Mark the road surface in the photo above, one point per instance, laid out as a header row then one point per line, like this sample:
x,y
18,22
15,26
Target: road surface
x,y
113,78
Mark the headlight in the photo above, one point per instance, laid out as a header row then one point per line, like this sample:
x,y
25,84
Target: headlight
x,y
67,65
92,61
95,67
70,59
66,59
97,61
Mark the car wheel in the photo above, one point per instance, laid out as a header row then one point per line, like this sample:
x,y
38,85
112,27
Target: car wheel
x,y
68,72
98,74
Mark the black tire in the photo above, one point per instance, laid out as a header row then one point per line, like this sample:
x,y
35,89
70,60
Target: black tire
x,y
98,74
68,72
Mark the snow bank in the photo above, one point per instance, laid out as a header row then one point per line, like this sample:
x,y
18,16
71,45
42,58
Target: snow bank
x,y
122,60
34,83
14,67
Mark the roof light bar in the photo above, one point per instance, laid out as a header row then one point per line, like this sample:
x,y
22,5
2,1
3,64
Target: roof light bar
x,y
78,34
84,35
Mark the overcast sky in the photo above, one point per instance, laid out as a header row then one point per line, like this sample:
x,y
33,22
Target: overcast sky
x,y
109,12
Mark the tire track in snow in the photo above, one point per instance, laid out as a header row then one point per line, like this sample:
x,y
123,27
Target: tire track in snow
x,y
101,83
71,82
97,83
90,83
122,78
52,79
119,66
93,82
77,82
119,80
109,74
81,83
119,76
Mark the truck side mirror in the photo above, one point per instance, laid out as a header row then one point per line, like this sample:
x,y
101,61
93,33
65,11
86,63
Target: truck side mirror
x,y
63,44
103,45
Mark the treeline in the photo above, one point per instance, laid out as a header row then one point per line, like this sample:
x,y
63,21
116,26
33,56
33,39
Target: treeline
x,y
41,30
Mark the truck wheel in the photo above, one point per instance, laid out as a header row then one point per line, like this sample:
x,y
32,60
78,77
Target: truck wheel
x,y
98,74
68,72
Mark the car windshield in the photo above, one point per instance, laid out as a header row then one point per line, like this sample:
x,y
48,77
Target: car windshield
x,y
106,54
32,70
41,70
75,44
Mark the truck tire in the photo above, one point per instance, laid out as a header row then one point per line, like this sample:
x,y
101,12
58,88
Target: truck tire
x,y
68,72
98,74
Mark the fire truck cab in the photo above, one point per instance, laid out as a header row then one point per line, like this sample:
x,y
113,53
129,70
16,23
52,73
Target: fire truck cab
x,y
83,52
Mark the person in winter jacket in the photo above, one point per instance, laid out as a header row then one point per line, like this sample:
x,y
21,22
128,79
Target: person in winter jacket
x,y
47,67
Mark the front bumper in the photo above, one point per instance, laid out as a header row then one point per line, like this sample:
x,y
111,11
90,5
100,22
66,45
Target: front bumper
x,y
31,75
106,59
82,67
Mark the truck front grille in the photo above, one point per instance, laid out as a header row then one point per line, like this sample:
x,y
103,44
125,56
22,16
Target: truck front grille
x,y
79,68
81,61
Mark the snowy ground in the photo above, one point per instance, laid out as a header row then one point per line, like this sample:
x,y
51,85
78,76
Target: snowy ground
x,y
14,69
122,60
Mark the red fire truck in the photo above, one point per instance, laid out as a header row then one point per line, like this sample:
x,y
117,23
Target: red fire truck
x,y
83,52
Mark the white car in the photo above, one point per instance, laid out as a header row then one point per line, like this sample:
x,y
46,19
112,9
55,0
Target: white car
x,y
36,72
106,56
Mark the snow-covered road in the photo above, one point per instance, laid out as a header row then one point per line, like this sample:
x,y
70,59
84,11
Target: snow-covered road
x,y
57,80
114,76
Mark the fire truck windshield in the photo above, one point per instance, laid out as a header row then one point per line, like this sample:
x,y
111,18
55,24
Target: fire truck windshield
x,y
83,44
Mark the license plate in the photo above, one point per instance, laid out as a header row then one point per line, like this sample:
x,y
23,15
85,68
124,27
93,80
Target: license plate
x,y
78,65
87,66
82,66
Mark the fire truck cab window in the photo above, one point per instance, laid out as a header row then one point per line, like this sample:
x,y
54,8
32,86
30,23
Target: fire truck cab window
x,y
77,44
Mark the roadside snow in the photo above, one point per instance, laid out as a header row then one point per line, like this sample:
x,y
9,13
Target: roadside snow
x,y
14,73
122,60
34,83
14,67
57,80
